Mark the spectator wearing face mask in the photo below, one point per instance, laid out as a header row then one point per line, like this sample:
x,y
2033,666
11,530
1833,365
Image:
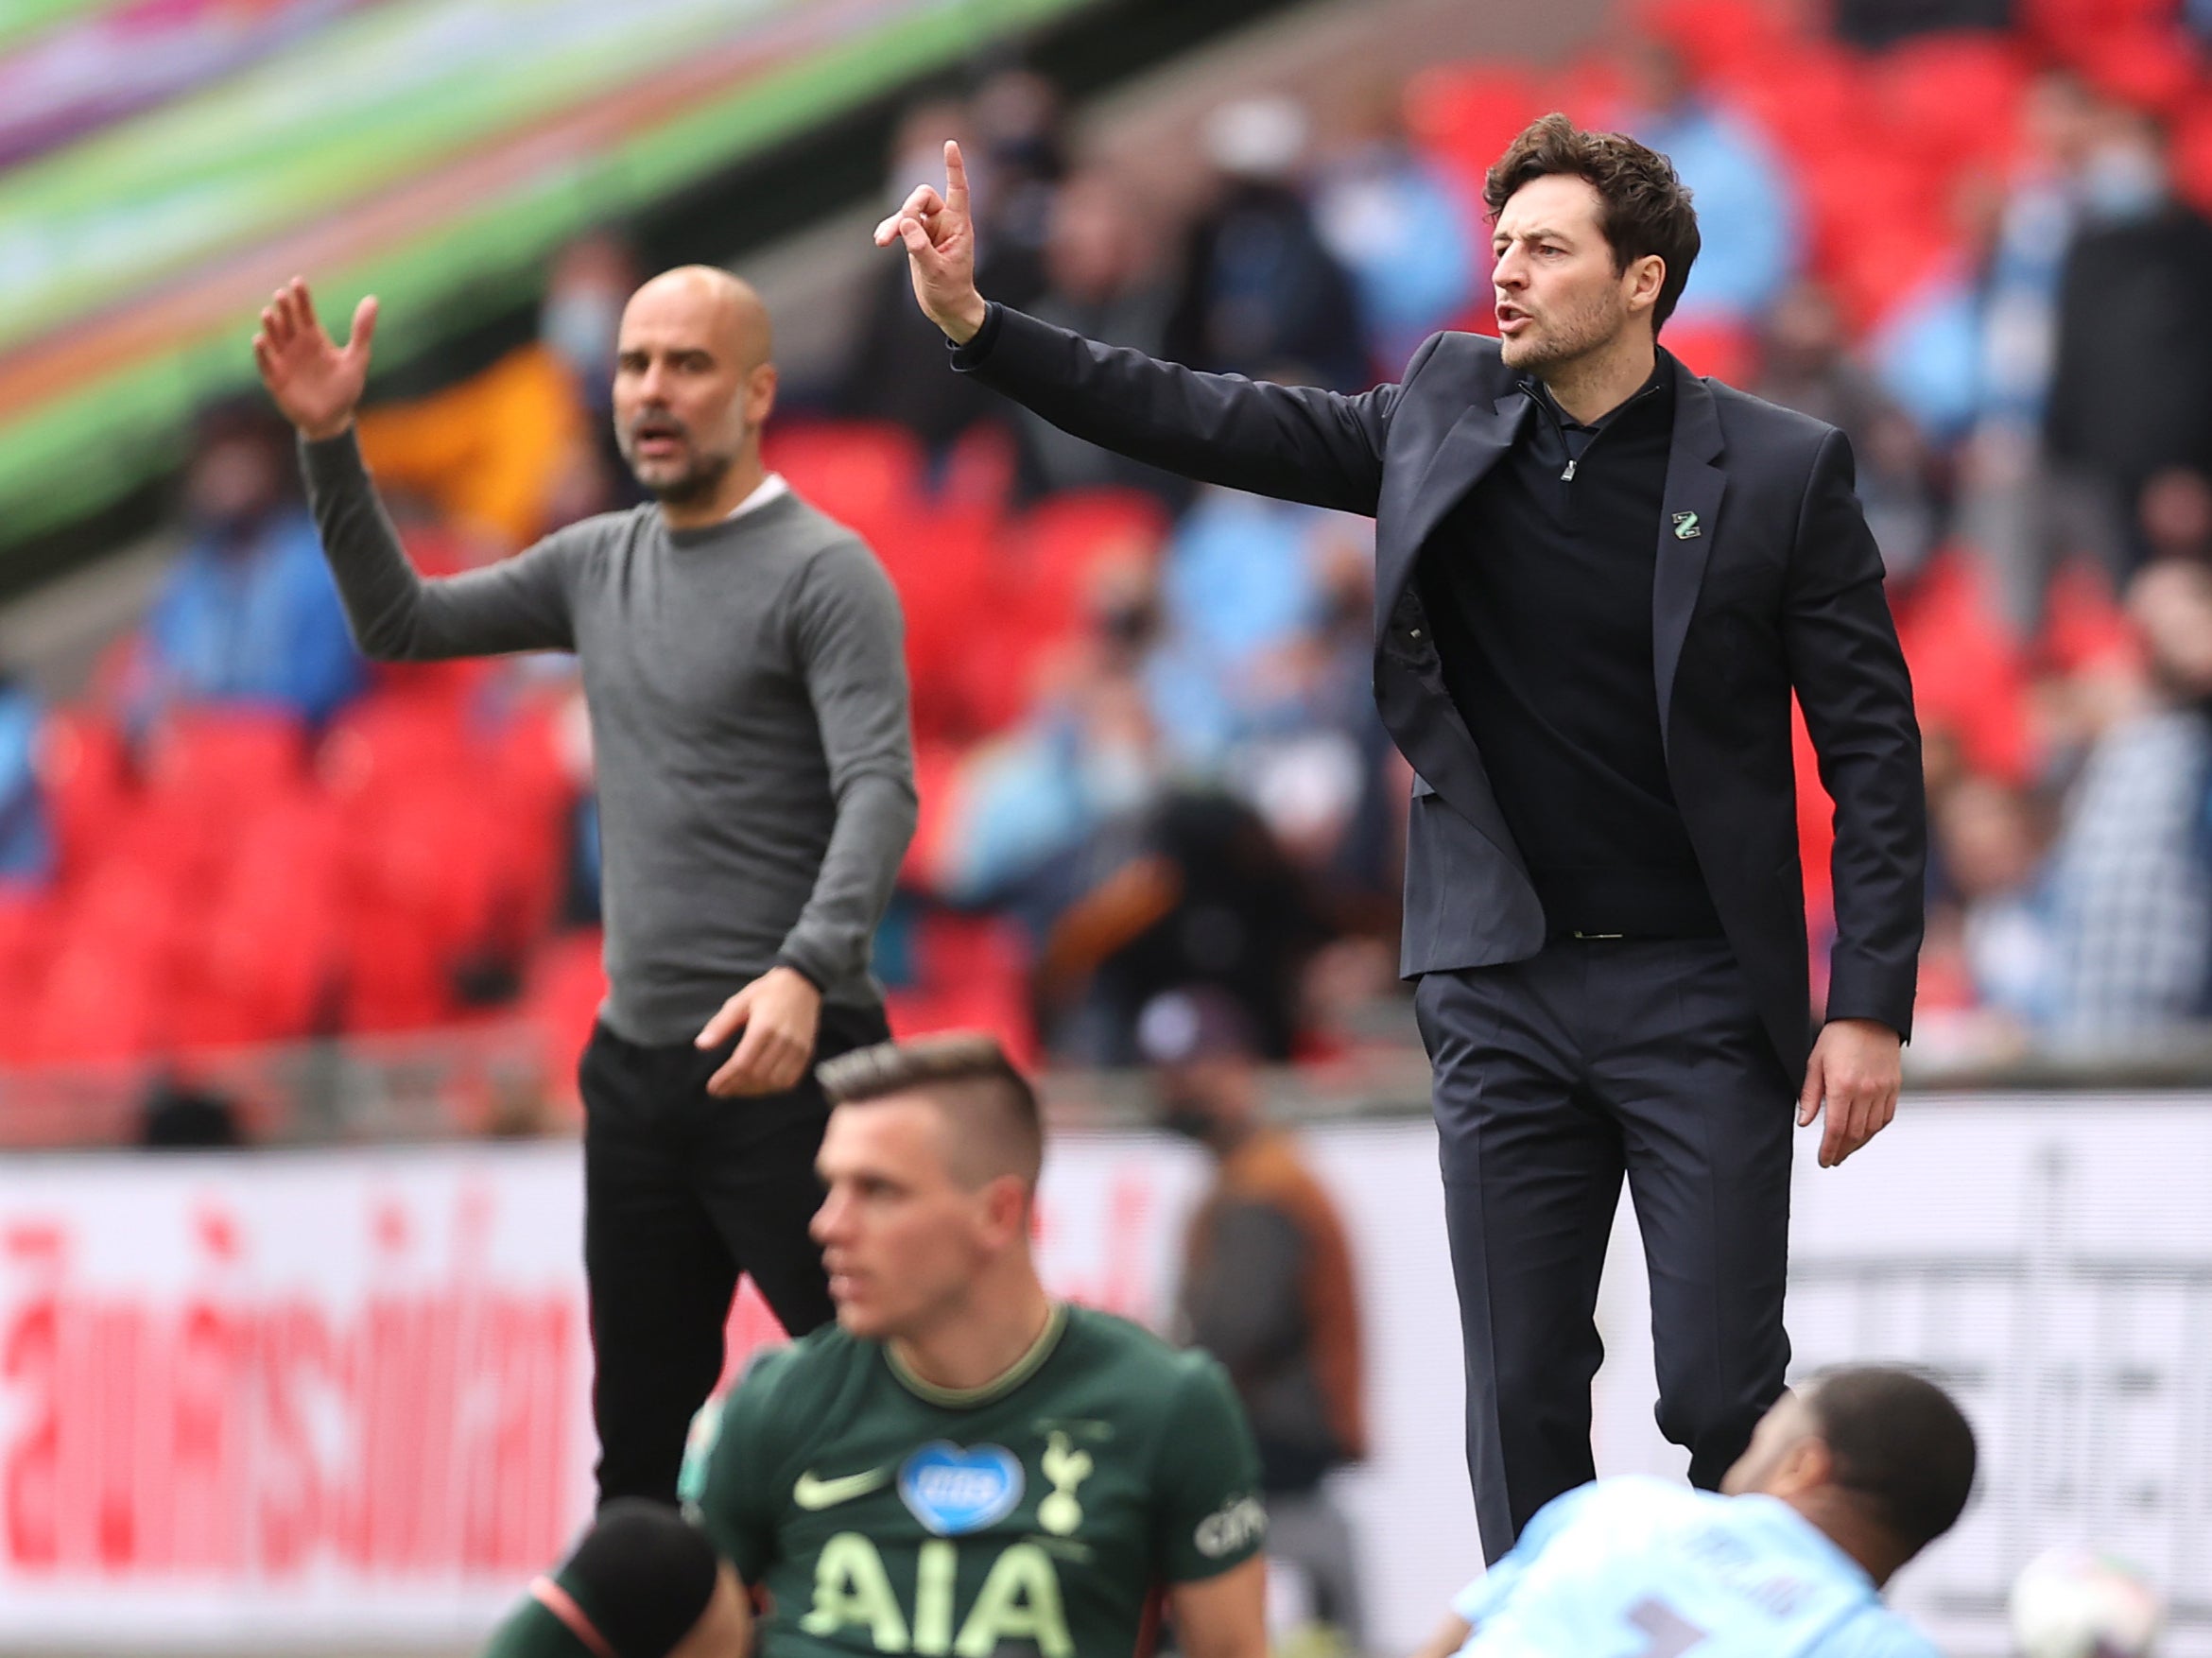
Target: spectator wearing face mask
x,y
2132,386
248,613
526,446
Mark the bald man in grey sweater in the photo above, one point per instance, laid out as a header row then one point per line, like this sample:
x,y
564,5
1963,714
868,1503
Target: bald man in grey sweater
x,y
743,667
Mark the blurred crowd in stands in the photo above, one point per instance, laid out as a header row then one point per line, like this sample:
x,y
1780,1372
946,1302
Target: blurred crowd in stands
x,y
1148,756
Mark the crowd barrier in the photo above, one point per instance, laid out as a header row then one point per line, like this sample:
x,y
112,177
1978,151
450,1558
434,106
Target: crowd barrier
x,y
338,1398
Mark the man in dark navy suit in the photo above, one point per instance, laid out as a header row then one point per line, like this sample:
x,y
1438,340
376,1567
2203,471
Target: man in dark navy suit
x,y
1598,580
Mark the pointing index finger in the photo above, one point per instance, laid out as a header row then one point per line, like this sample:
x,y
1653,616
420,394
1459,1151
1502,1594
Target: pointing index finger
x,y
955,177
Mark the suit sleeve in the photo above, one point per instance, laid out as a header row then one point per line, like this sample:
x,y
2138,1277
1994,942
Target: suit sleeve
x,y
517,604
1294,442
1852,682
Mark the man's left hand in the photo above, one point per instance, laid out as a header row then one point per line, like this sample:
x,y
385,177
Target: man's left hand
x,y
780,1012
1855,1073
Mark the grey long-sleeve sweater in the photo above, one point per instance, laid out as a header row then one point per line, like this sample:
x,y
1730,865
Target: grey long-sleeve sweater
x,y
747,693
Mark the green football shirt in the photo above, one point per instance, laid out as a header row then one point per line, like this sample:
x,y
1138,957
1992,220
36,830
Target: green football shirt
x,y
1038,1514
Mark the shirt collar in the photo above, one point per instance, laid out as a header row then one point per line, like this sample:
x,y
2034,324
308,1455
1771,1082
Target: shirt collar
x,y
999,1386
1661,362
768,490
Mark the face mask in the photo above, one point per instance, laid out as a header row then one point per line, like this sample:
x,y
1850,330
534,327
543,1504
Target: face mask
x,y
582,328
2122,184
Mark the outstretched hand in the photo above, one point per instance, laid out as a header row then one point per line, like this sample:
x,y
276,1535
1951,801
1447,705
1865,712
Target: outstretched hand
x,y
316,383
940,238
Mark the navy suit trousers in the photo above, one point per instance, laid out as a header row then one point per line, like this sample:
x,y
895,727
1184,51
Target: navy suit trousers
x,y
1554,1077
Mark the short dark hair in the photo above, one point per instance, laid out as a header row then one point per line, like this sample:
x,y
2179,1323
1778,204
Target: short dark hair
x,y
1643,207
1899,1444
1000,1127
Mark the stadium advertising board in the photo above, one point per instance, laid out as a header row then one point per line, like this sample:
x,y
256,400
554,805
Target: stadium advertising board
x,y
308,1399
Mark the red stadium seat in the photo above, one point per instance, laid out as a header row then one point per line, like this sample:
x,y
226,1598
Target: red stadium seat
x,y
1717,37
208,771
937,768
102,994
27,920
262,959
944,564
2084,629
2192,152
1723,349
1591,91
562,1000
1816,830
420,891
1463,115
1038,589
1969,676
2149,64
85,776
1812,98
1952,98
974,977
391,739
2076,29
232,756
1050,556
862,474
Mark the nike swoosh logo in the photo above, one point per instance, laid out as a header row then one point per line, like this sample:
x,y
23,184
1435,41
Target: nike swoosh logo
x,y
810,1493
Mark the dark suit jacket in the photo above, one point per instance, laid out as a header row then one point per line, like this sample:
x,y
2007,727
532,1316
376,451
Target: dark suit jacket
x,y
1767,581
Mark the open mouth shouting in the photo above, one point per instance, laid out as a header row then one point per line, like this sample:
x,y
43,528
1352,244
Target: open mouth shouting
x,y
654,435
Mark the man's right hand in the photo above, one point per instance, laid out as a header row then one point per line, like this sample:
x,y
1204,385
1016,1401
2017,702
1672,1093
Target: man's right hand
x,y
939,236
316,384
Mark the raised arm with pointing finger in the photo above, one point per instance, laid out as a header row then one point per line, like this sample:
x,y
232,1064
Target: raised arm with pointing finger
x,y
1600,581
1295,442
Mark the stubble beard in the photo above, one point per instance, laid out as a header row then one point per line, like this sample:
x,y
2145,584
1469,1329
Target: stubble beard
x,y
1582,332
692,481
693,486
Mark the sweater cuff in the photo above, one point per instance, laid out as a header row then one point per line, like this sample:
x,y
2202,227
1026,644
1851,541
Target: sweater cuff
x,y
965,358
331,458
812,975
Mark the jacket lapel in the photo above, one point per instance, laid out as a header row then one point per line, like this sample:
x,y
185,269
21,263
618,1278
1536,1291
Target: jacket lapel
x,y
1469,449
1689,519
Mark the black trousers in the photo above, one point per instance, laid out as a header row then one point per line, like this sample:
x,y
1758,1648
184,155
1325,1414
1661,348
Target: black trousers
x,y
683,1192
1554,1077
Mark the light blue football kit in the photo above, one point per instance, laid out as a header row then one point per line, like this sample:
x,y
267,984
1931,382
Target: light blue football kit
x,y
1636,1567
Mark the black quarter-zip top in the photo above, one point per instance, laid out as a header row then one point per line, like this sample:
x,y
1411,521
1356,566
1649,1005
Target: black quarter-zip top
x,y
1538,584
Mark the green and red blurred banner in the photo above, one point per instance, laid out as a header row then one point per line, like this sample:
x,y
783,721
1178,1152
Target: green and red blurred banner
x,y
433,151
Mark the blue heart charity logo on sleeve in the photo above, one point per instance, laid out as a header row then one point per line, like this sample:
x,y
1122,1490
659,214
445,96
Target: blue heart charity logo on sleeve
x,y
955,1492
